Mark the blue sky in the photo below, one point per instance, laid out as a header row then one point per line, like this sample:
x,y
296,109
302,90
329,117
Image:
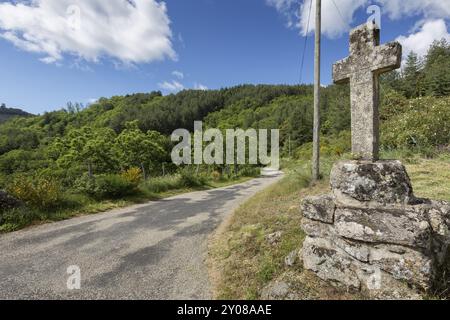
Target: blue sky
x,y
208,44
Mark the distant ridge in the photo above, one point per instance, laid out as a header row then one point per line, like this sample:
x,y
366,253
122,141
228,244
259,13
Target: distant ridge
x,y
7,113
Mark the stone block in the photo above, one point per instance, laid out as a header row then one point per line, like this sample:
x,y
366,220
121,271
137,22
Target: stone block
x,y
408,227
411,266
316,229
330,263
320,208
381,182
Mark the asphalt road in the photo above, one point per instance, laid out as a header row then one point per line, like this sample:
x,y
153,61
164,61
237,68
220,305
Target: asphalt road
x,y
155,250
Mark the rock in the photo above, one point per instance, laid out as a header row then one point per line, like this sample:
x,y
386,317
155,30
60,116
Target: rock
x,y
405,264
319,208
333,264
407,227
329,262
291,258
317,229
274,238
438,214
277,290
380,285
383,182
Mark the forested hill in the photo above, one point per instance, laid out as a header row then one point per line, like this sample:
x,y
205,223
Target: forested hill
x,y
152,111
415,113
8,113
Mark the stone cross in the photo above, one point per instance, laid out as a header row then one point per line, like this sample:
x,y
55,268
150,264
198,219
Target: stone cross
x,y
362,68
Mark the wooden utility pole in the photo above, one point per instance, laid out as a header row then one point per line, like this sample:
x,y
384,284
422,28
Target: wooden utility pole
x,y
316,133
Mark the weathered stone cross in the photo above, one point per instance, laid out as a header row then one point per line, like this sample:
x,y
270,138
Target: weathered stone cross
x,y
363,67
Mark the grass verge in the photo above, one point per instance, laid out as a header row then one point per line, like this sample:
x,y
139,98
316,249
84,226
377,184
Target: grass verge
x,y
78,205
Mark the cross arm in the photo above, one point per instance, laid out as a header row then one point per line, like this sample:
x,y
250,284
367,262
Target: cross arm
x,y
388,57
342,71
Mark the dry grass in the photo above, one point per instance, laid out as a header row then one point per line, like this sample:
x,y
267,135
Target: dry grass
x,y
431,178
243,262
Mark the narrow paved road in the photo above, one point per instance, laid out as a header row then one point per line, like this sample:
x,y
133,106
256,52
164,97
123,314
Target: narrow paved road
x,y
151,251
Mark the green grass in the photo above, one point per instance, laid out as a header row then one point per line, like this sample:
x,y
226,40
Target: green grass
x,y
242,262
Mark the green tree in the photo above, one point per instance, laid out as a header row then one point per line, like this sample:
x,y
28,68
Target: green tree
x,y
437,69
139,149
93,148
413,77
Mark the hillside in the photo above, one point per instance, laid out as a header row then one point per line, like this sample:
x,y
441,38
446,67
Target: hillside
x,y
8,113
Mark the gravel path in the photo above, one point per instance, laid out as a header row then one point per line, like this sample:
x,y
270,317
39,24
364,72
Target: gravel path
x,y
155,250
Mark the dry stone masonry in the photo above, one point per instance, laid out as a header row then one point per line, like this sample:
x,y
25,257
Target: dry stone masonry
x,y
371,233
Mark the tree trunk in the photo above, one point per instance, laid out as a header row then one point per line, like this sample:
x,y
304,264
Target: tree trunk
x,y
144,173
197,170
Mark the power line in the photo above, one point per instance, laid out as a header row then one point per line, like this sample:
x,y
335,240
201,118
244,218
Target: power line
x,y
339,12
306,43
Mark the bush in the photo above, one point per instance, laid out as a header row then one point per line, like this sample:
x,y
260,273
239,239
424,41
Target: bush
x,y
163,184
249,171
109,186
425,125
15,219
86,185
38,192
330,146
216,175
190,180
133,175
113,186
8,202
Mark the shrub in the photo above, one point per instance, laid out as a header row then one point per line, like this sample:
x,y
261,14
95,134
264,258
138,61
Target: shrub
x,y
38,192
216,175
16,218
163,184
190,179
133,175
8,202
113,186
86,185
330,146
109,186
249,171
425,124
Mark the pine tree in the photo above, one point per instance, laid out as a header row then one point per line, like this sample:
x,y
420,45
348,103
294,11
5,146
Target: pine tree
x,y
437,69
413,84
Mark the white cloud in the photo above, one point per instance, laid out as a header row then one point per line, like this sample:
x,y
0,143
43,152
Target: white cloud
x,y
420,41
338,15
429,8
199,86
172,86
130,32
336,20
334,23
286,8
178,74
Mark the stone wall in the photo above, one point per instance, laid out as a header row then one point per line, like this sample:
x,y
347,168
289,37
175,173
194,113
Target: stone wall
x,y
372,234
